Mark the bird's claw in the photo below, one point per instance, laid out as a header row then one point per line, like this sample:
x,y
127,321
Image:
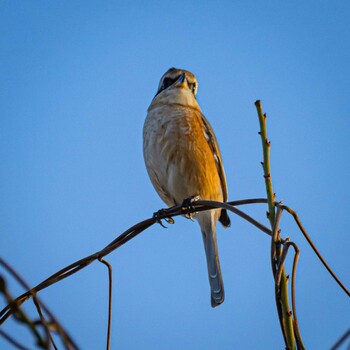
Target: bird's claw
x,y
187,205
158,218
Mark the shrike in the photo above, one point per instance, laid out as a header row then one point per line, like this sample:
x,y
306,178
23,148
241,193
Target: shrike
x,y
183,160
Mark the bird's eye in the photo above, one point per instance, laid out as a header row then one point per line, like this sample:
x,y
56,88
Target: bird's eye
x,y
192,87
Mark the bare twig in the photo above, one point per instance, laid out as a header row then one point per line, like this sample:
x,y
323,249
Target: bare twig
x,y
21,316
302,229
44,324
294,307
12,341
266,163
286,246
342,340
274,240
68,342
238,212
275,244
110,293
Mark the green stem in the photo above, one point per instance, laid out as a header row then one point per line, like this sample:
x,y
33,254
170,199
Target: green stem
x,y
282,297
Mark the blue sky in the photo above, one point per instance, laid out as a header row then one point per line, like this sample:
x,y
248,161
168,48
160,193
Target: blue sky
x,y
76,79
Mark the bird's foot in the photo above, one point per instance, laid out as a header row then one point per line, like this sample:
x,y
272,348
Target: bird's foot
x,y
159,216
187,205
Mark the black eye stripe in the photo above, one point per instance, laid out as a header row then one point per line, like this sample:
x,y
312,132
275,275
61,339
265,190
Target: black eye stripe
x,y
167,82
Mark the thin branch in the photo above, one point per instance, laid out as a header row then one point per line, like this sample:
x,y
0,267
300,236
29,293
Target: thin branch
x,y
235,211
274,265
285,250
294,307
68,342
248,201
12,341
21,316
266,163
274,240
110,294
342,340
302,229
44,323
281,263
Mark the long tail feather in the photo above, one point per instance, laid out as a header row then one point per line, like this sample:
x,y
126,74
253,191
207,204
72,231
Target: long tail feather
x,y
213,264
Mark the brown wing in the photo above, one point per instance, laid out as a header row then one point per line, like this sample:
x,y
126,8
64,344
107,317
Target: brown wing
x,y
214,146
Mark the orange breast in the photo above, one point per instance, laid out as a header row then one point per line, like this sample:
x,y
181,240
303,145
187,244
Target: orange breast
x,y
178,157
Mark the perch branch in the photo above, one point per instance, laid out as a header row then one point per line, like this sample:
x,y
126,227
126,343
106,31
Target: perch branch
x,y
118,242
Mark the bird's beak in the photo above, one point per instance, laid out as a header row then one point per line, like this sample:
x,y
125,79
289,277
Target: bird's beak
x,y
182,81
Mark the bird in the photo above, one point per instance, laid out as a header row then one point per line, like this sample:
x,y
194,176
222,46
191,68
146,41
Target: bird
x,y
183,161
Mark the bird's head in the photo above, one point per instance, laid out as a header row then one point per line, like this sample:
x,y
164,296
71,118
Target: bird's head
x,y
178,78
177,86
